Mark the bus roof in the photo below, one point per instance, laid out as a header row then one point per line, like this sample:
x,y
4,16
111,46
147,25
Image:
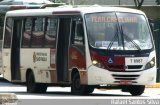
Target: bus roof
x,y
69,10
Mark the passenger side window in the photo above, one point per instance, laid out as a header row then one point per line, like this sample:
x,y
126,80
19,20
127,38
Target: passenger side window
x,y
38,32
8,33
51,32
1,26
27,32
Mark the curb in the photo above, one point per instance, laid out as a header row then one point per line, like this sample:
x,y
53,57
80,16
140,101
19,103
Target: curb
x,y
8,98
156,85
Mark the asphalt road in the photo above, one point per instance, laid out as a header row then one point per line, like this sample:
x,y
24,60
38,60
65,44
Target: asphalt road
x,y
61,92
60,96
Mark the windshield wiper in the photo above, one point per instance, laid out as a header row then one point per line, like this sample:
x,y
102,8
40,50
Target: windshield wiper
x,y
113,39
130,39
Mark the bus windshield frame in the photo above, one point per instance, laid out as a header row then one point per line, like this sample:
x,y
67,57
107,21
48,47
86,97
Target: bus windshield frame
x,y
118,31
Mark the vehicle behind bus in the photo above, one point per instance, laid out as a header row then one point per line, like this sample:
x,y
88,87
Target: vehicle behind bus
x,y
81,47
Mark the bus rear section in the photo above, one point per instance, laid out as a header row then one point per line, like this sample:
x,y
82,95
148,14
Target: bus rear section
x,y
78,48
4,9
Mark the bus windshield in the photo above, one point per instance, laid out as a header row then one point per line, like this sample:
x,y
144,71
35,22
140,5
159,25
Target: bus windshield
x,y
118,31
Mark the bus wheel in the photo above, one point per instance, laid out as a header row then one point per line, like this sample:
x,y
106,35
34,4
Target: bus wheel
x,y
89,89
33,87
136,90
41,88
76,87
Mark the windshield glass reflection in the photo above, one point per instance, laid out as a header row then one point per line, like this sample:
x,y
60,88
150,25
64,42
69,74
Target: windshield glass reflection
x,y
118,31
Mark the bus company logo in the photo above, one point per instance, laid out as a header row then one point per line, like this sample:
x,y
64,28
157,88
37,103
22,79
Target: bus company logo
x,y
39,57
34,57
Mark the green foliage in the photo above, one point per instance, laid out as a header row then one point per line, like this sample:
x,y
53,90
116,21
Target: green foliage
x,y
158,2
81,2
58,1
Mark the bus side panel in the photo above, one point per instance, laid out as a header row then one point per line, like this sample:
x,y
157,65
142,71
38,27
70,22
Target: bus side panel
x,y
38,60
77,60
7,64
53,71
6,52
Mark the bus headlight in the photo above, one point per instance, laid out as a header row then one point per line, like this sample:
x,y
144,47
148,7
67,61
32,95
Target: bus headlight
x,y
97,64
150,64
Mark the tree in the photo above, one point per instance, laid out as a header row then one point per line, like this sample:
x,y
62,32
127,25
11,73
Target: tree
x,y
158,2
64,1
138,3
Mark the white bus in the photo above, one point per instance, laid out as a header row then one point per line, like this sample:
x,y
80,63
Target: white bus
x,y
81,47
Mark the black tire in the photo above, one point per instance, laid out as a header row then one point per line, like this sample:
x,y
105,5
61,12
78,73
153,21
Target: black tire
x,y
77,88
136,90
89,90
33,87
41,88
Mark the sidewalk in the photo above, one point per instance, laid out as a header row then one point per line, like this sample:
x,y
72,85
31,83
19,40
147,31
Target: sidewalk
x,y
8,98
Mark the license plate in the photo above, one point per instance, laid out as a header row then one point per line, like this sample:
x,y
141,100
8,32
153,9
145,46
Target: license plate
x,y
135,61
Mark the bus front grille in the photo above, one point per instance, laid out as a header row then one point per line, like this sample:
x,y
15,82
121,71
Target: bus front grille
x,y
125,77
119,82
123,67
134,66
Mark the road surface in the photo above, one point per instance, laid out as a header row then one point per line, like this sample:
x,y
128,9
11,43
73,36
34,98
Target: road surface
x,y
60,96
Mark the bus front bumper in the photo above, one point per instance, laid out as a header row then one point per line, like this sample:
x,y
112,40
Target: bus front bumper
x,y
98,76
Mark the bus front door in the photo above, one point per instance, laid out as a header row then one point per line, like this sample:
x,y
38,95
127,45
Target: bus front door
x,y
62,49
15,50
